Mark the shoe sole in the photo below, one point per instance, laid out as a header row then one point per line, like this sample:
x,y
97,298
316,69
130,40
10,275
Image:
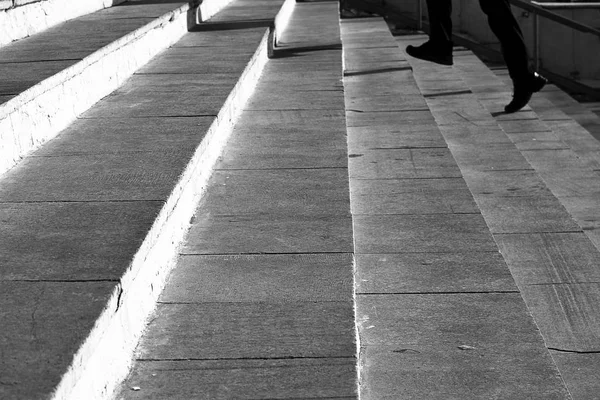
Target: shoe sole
x,y
441,61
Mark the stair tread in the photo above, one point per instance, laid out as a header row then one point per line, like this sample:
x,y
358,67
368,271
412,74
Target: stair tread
x,y
270,249
28,61
77,211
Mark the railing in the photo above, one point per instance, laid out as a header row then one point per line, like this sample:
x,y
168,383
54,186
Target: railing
x,y
541,10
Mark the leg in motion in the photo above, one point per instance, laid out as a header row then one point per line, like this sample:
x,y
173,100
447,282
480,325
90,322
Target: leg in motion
x,y
439,47
507,30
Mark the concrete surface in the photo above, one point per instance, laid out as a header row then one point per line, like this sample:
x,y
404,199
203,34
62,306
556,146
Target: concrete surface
x,y
111,256
262,294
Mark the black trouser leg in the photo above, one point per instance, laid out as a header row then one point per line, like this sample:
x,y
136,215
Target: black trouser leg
x,y
507,30
440,20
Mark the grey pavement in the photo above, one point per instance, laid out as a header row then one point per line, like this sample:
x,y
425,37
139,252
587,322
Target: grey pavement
x,y
81,216
374,227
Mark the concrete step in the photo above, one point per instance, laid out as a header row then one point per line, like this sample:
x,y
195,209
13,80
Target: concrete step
x,y
438,312
52,77
535,180
92,221
260,302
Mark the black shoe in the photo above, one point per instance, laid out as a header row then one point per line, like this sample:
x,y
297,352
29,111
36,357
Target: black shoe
x,y
432,52
523,92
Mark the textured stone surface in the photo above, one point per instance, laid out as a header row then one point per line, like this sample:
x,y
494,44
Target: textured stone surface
x,y
544,258
377,137
403,163
581,373
242,379
568,315
43,325
72,241
411,196
267,234
421,233
93,177
250,330
419,337
108,135
278,192
274,278
540,213
432,272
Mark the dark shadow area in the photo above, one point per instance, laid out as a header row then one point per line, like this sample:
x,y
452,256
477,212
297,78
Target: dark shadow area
x,y
378,71
497,113
296,51
148,2
457,92
230,25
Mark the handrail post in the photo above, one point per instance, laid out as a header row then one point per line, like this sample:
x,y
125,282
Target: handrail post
x,y
536,42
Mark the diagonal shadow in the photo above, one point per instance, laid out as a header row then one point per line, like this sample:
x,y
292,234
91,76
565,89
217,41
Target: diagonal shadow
x,y
296,51
230,25
378,71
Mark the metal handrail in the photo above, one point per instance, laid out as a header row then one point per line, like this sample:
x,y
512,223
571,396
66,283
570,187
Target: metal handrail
x,y
567,6
538,10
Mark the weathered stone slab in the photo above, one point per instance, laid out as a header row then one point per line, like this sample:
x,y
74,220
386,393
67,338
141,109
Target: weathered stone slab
x,y
507,183
221,38
43,325
368,118
376,234
386,103
303,119
494,156
200,85
158,104
568,315
451,373
195,65
250,330
432,272
128,135
550,258
278,192
526,214
545,140
360,118
255,278
411,196
454,346
403,163
564,172
242,379
377,137
72,241
266,150
267,99
478,133
581,373
523,126
262,233
91,177
18,77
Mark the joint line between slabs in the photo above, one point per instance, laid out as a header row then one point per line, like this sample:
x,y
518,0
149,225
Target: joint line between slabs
x,y
267,254
81,201
441,292
247,358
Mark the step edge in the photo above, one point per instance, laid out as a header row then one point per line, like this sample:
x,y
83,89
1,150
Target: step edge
x,y
123,320
20,137
46,14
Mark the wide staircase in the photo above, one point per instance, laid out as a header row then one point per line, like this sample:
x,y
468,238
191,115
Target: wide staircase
x,y
253,199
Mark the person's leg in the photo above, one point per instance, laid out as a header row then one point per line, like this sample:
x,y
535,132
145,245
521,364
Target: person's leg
x,y
507,30
439,47
440,22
